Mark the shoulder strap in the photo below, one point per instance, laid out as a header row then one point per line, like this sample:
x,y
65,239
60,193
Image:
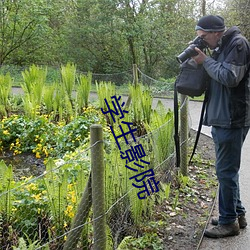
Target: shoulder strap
x,y
199,127
176,127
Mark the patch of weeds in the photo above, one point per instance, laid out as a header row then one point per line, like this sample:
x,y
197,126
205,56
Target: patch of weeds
x,y
149,241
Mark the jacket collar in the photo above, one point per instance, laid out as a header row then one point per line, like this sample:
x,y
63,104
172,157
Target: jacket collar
x,y
231,32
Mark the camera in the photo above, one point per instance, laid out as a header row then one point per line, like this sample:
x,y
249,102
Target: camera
x,y
190,51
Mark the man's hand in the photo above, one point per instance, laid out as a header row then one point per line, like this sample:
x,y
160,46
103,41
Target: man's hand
x,y
200,58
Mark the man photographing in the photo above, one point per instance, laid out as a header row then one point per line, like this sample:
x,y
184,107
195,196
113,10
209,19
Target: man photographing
x,y
228,112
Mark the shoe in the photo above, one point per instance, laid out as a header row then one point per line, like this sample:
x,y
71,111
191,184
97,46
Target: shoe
x,y
241,219
221,231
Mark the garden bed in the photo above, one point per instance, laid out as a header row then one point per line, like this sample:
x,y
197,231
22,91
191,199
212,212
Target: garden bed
x,y
187,222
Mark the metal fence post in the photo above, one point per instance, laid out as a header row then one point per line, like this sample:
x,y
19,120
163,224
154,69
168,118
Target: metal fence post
x,y
98,194
184,135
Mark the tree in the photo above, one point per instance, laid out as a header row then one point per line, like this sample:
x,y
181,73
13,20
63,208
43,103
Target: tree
x,y
21,21
237,13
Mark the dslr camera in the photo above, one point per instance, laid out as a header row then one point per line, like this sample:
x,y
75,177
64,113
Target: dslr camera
x,y
190,51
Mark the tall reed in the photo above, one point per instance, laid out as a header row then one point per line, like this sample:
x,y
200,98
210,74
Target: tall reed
x,y
56,184
5,90
48,97
68,74
105,90
161,128
6,184
141,103
33,86
83,91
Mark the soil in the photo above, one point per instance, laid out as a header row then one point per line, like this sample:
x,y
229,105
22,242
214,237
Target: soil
x,y
25,164
187,221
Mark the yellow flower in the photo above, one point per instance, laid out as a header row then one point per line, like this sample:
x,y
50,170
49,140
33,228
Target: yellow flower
x,y
45,151
73,199
31,187
6,132
17,152
14,209
69,211
38,155
37,196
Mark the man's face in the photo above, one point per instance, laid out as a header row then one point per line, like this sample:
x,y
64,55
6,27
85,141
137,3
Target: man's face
x,y
211,38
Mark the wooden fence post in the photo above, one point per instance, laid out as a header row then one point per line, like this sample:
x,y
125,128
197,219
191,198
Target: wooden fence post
x,y
98,194
135,74
135,82
80,218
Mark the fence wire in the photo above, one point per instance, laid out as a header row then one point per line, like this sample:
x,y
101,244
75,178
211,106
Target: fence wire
x,y
45,210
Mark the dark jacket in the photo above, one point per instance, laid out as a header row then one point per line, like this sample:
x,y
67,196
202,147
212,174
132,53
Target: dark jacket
x,y
229,90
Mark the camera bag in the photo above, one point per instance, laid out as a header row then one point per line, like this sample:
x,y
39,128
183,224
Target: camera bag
x,y
192,79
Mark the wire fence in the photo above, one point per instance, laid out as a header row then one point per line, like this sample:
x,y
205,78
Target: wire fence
x,y
158,87
57,209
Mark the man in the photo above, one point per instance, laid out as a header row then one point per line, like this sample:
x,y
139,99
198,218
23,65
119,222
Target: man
x,y
228,112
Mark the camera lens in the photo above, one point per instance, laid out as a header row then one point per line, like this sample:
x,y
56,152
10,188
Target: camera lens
x,y
190,51
187,53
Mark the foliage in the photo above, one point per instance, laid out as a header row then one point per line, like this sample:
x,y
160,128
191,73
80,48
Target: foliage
x,y
83,90
68,74
43,137
5,90
161,129
141,103
118,181
147,241
51,200
34,81
106,36
36,204
6,184
236,13
22,23
30,204
22,245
